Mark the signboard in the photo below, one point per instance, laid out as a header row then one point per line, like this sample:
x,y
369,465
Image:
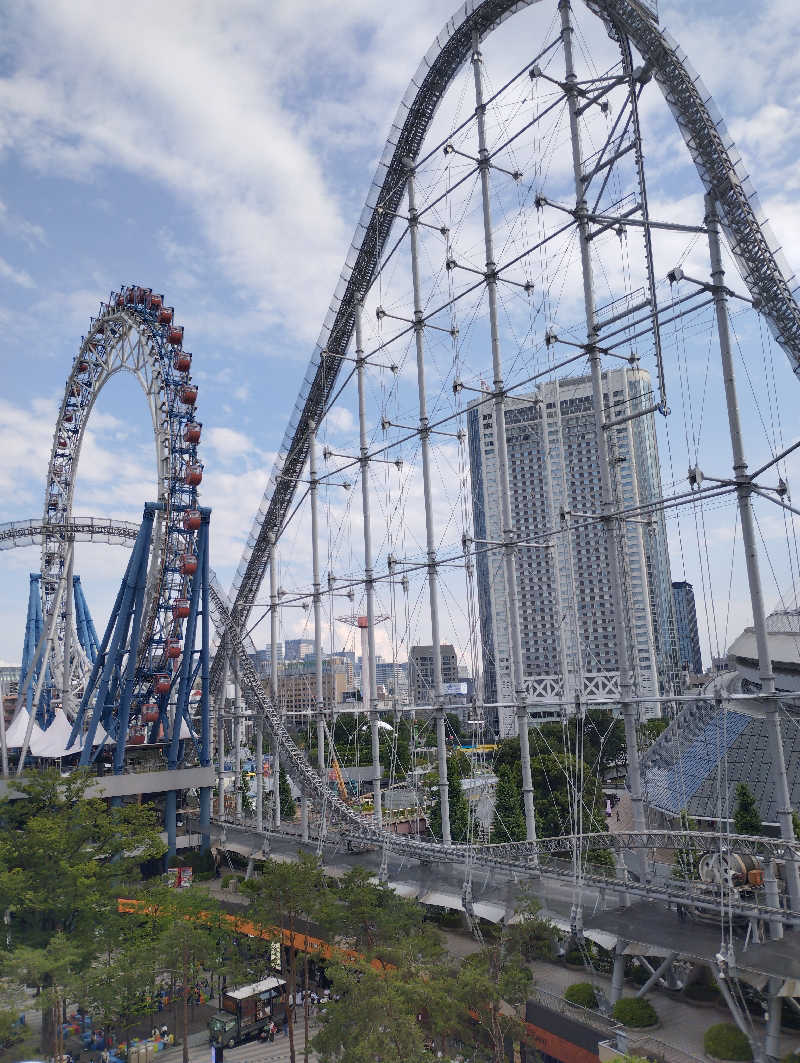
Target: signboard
x,y
454,688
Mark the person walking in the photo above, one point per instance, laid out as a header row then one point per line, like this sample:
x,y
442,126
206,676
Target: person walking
x,y
273,1029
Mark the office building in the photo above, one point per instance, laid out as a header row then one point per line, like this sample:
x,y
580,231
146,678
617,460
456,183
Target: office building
x,y
688,636
393,678
297,649
420,672
565,605
297,683
262,660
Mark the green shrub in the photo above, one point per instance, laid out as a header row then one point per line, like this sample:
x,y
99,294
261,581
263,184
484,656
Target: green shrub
x,y
635,1012
582,994
226,880
723,1040
793,1057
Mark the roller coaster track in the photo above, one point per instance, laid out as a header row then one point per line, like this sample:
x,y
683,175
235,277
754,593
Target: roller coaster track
x,y
756,250
18,533
516,857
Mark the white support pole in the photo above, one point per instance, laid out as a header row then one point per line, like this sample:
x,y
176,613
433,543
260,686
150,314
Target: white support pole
x,y
237,739
66,669
433,574
319,700
273,672
3,746
370,687
221,733
610,522
509,549
259,723
750,545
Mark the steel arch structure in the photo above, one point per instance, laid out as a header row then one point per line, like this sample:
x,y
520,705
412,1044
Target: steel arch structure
x,y
134,332
773,289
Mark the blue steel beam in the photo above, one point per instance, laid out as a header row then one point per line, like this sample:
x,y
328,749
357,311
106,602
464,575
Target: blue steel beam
x,y
108,655
184,684
124,712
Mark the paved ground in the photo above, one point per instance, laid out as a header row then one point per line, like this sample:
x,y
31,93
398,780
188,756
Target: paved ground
x,y
682,1025
276,1051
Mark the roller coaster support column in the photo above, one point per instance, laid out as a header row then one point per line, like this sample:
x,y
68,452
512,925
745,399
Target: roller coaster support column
x,y
273,672
509,549
433,574
66,664
40,659
198,603
370,687
205,687
237,740
223,697
618,972
319,703
108,651
610,522
749,542
259,726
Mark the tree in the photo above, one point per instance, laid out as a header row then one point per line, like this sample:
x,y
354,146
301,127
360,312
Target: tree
x,y
458,767
288,894
796,825
54,969
120,987
556,778
288,805
508,824
188,933
63,858
381,1015
491,985
62,854
746,817
396,994
248,802
371,918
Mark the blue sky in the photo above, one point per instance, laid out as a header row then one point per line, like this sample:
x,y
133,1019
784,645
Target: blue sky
x,y
220,153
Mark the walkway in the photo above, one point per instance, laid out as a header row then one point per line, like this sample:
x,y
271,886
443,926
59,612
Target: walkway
x,y
276,1051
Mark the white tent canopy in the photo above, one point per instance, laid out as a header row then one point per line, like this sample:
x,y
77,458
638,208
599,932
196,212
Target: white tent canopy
x,y
52,743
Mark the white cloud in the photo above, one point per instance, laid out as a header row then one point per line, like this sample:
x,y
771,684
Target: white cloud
x,y
17,276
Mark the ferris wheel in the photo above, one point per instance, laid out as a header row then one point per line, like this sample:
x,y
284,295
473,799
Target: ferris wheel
x,y
134,332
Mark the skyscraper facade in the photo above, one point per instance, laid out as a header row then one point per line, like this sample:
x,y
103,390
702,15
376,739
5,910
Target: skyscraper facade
x,y
565,605
420,672
297,649
688,637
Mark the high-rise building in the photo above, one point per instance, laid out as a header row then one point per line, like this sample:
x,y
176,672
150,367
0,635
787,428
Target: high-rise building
x,y
262,660
297,649
297,683
420,672
394,679
565,605
688,636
